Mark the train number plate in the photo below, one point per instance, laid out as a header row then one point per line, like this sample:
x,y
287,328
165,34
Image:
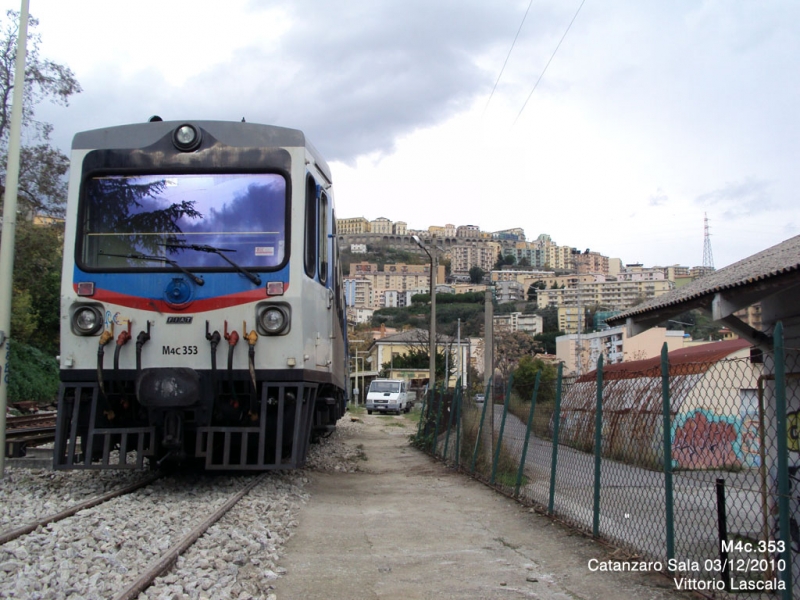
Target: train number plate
x,y
179,350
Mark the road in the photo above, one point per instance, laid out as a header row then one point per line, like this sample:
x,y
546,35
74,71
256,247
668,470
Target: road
x,y
406,526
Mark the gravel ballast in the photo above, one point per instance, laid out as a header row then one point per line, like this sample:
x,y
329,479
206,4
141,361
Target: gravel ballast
x,y
101,550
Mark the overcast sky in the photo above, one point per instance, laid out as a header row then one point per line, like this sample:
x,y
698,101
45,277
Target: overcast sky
x,y
651,113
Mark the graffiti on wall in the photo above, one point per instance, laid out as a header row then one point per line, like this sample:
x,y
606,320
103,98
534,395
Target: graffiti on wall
x,y
702,439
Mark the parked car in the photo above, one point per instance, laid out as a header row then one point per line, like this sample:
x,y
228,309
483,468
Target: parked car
x,y
479,398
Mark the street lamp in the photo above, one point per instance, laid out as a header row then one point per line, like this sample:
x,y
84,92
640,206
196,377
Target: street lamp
x,y
432,375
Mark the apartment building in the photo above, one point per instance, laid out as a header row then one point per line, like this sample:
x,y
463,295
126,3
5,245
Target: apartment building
x,y
637,272
358,292
559,258
352,226
590,262
472,232
521,276
359,314
580,352
610,294
477,254
381,225
509,291
369,287
517,321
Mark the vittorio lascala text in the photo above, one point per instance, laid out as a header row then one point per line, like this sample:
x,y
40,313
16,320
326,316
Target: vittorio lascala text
x,y
744,577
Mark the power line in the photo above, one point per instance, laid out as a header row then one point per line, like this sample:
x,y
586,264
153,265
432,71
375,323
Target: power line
x,y
508,56
549,61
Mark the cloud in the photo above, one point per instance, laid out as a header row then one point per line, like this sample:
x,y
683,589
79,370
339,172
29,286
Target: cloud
x,y
658,199
354,76
739,199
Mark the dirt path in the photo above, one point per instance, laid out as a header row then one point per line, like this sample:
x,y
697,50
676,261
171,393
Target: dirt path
x,y
408,527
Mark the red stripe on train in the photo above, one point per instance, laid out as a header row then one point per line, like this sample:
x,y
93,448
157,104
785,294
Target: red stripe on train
x,y
160,306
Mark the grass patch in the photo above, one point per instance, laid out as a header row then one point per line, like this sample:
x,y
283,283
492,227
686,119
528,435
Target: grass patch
x,y
356,410
413,416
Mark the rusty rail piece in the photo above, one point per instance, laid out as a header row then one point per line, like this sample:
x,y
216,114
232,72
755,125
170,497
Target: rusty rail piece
x,y
20,531
165,562
25,421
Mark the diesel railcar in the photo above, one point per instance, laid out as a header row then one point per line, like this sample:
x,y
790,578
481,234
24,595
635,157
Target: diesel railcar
x,y
202,310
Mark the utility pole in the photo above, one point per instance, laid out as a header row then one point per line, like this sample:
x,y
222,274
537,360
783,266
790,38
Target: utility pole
x,y
432,335
488,341
10,224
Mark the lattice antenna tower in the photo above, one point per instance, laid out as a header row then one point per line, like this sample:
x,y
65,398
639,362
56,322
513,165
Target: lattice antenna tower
x,y
708,256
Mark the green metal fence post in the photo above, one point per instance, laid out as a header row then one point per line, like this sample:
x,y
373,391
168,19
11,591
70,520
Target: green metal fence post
x,y
598,447
556,423
452,417
421,418
422,427
783,459
527,434
480,427
438,420
667,426
502,427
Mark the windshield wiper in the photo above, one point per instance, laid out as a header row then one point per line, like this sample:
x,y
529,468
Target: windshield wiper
x,y
196,278
219,251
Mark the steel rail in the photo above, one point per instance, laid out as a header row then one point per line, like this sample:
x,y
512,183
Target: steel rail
x,y
20,531
162,564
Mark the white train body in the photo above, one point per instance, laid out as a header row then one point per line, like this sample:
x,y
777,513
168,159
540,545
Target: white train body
x,y
201,302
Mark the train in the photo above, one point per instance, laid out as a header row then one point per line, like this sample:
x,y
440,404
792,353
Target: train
x,y
203,322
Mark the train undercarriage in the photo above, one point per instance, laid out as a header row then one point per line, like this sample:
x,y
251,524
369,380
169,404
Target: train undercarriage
x,y
172,417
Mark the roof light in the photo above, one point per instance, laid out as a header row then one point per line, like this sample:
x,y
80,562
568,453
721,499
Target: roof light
x,y
187,137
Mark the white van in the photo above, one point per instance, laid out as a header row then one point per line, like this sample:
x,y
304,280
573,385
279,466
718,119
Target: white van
x,y
385,395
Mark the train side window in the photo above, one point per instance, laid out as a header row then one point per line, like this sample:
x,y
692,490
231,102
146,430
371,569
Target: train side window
x,y
311,227
323,238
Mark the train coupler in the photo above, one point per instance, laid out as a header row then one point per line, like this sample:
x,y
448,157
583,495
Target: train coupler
x,y
173,430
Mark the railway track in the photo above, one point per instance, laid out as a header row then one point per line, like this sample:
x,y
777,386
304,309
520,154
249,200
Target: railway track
x,y
27,431
118,543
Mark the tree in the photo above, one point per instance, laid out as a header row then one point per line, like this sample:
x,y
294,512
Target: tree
x,y
533,288
476,274
498,264
42,191
37,282
417,356
42,168
510,347
549,316
548,340
524,262
525,379
447,264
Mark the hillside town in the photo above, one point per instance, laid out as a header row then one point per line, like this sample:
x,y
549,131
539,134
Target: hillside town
x,y
583,287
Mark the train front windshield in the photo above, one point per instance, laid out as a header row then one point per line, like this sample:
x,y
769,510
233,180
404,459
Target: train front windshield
x,y
129,220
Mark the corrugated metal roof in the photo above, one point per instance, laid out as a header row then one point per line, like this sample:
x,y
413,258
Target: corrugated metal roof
x,y
773,262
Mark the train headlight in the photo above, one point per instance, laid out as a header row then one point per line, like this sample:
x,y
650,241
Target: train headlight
x,y
187,137
87,320
273,319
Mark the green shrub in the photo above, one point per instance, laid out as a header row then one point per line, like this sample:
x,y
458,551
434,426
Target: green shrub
x,y
33,375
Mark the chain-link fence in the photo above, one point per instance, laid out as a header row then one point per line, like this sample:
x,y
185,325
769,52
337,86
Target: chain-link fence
x,y
705,502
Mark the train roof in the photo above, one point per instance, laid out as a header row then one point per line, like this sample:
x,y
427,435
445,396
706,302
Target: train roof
x,y
233,133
